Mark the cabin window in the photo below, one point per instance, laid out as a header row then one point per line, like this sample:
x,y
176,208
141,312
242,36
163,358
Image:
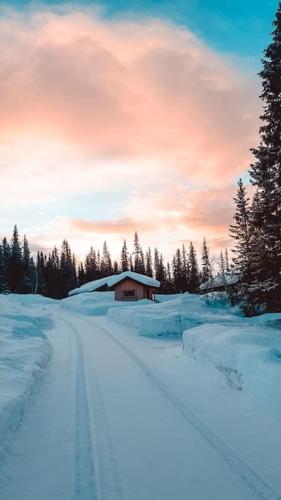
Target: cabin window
x,y
129,294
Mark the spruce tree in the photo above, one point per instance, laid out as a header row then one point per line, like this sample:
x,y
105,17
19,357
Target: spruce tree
x,y
266,176
4,267
178,272
139,266
245,247
148,263
106,263
241,233
206,273
124,258
15,269
185,270
27,285
81,275
193,285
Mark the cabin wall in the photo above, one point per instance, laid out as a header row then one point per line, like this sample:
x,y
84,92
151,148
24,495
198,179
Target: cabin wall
x,y
129,285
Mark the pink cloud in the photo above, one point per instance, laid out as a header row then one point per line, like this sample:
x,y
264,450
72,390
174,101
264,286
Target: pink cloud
x,y
148,93
121,226
126,89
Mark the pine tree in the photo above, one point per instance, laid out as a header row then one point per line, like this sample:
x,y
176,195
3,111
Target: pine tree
x,y
115,267
185,270
81,275
169,279
194,272
92,271
266,175
4,266
106,263
241,233
160,272
139,266
226,261
40,285
124,258
148,263
16,269
27,285
68,280
206,273
222,264
178,272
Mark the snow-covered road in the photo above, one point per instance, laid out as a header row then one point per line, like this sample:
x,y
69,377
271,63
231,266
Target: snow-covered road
x,y
104,426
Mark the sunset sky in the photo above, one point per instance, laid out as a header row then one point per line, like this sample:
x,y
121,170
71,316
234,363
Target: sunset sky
x,y
127,115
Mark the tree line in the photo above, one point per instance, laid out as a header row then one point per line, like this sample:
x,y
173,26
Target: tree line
x,y
56,273
257,222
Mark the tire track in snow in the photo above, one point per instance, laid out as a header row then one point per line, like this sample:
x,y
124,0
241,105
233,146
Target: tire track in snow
x,y
108,473
97,474
85,475
261,489
85,480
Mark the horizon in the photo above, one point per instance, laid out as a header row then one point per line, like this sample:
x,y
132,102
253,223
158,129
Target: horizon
x,y
117,120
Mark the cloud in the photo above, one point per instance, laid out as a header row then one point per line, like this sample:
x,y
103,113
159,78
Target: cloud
x,y
88,102
119,226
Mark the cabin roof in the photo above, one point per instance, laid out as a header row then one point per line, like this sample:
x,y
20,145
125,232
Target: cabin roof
x,y
220,280
112,281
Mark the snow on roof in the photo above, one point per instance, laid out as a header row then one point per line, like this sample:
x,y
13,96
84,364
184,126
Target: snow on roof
x,y
220,280
111,281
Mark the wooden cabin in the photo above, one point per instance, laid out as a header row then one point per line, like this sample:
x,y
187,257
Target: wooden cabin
x,y
128,286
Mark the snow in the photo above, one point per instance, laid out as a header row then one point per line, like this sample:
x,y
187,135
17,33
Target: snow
x,y
247,353
226,279
25,353
176,399
96,303
171,317
111,281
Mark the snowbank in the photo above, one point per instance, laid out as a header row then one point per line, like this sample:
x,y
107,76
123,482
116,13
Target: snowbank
x,y
24,356
247,353
96,303
170,317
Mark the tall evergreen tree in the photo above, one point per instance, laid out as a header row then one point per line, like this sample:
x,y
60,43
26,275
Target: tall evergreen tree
x,y
226,261
106,263
266,175
15,271
139,266
240,231
206,273
178,272
81,276
124,258
4,267
148,263
185,269
90,266
40,284
194,272
28,279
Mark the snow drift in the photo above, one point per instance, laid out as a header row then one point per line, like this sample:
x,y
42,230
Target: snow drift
x,y
171,316
25,353
247,353
96,303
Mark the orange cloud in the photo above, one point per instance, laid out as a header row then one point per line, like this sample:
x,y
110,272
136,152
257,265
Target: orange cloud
x,y
124,89
121,226
87,102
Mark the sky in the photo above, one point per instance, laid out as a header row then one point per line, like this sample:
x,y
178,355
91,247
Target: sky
x,y
127,115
